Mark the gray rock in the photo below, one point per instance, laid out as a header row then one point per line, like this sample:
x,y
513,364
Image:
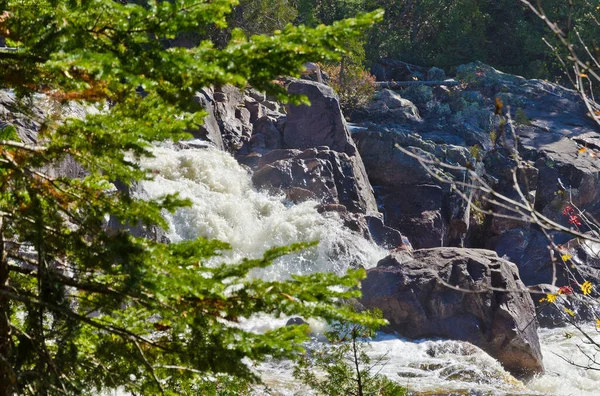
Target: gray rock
x,y
320,124
330,176
417,303
295,321
209,130
385,236
393,100
416,211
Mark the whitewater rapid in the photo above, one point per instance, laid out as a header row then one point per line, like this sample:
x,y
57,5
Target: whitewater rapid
x,y
225,206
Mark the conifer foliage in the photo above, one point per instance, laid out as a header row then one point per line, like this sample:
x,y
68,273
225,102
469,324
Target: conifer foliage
x,y
83,309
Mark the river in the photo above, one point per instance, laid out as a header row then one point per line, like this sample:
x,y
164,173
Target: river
x,y
225,206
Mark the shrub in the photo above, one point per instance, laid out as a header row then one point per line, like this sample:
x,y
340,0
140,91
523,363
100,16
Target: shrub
x,y
354,85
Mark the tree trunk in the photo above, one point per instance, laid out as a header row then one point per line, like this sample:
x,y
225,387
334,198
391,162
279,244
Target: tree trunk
x,y
356,362
404,84
7,378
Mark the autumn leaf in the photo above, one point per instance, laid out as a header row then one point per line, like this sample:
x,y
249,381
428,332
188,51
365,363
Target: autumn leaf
x,y
565,290
570,312
586,288
288,296
566,257
551,298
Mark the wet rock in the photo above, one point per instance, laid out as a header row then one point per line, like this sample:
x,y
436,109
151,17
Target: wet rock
x,y
329,176
385,236
295,321
417,303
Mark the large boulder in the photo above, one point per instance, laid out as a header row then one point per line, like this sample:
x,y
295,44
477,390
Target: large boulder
x,y
416,300
322,174
320,124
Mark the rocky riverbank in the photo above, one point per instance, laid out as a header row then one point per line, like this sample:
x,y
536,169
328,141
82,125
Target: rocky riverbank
x,y
434,238
311,153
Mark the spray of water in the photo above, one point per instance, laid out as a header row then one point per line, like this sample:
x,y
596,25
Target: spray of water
x,y
225,206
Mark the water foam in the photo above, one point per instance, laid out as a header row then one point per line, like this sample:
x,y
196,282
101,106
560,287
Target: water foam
x,y
225,206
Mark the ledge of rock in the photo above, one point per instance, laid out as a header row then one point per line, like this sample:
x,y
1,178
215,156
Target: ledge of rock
x,y
414,299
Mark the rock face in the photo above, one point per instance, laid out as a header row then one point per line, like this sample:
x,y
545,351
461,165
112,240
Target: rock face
x,y
320,124
322,174
558,146
418,304
227,124
308,153
412,200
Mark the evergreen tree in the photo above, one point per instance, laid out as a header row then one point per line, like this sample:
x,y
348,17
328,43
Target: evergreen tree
x,y
83,309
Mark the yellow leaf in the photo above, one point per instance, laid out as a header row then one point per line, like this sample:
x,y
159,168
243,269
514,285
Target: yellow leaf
x,y
565,257
551,298
583,75
586,288
542,299
582,150
288,296
570,312
598,323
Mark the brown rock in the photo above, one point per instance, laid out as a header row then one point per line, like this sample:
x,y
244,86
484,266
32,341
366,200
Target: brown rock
x,y
415,300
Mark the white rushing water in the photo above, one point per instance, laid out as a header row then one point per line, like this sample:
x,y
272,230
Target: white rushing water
x,y
225,206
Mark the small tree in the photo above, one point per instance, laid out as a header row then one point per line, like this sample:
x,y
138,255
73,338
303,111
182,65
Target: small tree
x,y
343,367
82,308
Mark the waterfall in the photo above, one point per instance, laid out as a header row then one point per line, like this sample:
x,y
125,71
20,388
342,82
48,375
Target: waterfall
x,y
225,206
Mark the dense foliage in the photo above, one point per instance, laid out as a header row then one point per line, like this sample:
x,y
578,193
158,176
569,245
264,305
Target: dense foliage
x,y
447,33
83,307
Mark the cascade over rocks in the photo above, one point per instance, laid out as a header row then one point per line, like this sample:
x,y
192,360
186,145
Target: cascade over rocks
x,y
308,153
304,152
413,298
